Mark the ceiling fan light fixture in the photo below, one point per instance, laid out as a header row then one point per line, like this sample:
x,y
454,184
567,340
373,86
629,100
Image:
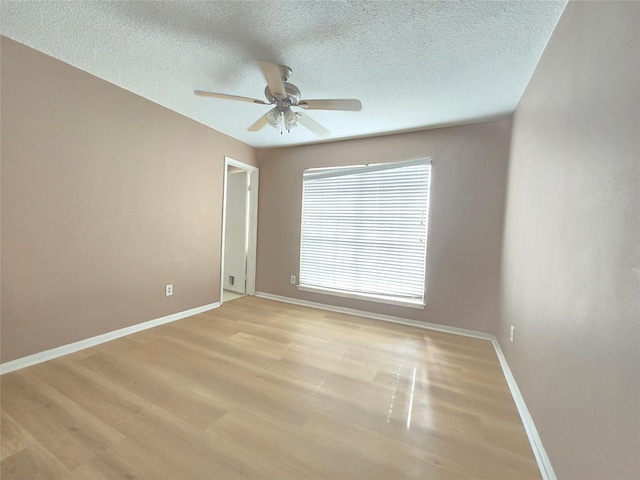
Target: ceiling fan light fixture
x,y
273,117
290,119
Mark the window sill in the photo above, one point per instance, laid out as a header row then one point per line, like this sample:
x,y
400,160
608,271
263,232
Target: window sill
x,y
369,298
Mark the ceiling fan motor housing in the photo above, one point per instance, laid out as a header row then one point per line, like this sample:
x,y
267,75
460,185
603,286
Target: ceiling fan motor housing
x,y
292,95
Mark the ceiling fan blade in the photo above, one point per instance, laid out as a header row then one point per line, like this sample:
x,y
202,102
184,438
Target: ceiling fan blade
x,y
259,124
349,104
273,75
229,97
312,125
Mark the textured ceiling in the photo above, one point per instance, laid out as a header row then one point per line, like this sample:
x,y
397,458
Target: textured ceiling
x,y
413,64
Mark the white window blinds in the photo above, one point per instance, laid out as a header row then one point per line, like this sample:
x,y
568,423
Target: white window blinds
x,y
364,230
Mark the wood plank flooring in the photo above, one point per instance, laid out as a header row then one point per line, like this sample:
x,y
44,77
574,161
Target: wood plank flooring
x,y
262,389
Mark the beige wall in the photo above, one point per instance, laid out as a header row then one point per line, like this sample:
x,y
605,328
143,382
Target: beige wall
x,y
465,224
106,197
571,264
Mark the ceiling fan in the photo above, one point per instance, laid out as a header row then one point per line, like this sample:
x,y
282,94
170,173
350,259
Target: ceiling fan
x,y
284,95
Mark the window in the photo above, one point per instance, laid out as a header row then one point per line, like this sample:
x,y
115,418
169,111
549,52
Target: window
x,y
364,231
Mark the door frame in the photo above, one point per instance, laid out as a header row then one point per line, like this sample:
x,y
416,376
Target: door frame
x,y
252,233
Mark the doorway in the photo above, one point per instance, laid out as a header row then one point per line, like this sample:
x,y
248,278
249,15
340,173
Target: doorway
x,y
239,230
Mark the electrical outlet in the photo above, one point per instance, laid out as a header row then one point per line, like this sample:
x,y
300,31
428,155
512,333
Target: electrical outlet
x,y
168,290
512,332
293,279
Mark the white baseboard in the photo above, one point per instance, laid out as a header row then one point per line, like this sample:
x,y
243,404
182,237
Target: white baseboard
x,y
546,470
40,357
377,316
544,464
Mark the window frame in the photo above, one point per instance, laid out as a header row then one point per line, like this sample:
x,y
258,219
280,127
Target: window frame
x,y
372,297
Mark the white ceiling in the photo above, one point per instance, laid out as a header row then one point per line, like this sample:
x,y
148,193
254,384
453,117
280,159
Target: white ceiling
x,y
414,64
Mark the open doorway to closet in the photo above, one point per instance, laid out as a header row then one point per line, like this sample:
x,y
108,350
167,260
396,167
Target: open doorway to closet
x,y
239,230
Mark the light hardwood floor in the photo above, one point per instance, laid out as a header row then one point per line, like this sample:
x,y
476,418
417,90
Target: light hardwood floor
x,y
262,389
228,296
